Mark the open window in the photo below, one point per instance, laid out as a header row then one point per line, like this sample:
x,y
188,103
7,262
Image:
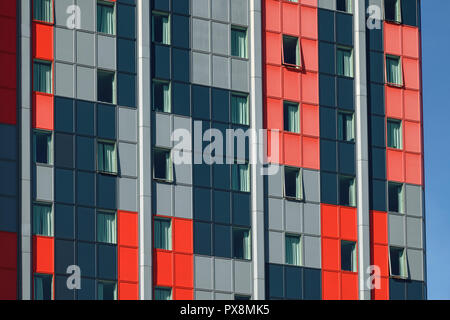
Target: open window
x,y
346,130
43,10
239,42
291,52
107,157
106,290
347,196
398,262
241,244
106,17
239,109
240,177
163,293
393,11
394,133
293,184
42,141
106,88
293,249
344,63
106,227
162,234
42,76
42,286
161,96
43,220
162,165
396,197
344,5
394,71
291,117
348,256
161,28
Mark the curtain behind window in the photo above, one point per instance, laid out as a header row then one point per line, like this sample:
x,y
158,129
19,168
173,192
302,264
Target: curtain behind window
x,y
293,250
241,244
344,63
238,43
42,220
106,291
239,110
345,129
163,234
393,70
43,10
351,190
42,77
292,119
106,228
161,97
42,287
163,294
241,177
394,134
105,18
107,158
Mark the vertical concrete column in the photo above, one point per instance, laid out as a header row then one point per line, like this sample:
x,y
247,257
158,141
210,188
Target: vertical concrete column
x,y
362,153
24,106
257,183
144,159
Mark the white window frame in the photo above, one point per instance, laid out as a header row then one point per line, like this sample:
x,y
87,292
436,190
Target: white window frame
x,y
110,213
43,62
401,201
249,257
164,289
52,12
41,275
341,114
388,133
353,190
287,103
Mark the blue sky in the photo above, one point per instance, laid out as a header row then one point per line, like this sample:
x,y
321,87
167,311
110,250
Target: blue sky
x,y
436,92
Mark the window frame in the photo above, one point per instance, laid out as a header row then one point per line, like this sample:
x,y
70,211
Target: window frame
x,y
286,104
50,155
301,191
354,257
42,275
401,202
400,66
340,122
352,64
169,22
243,30
114,85
98,282
403,268
105,212
48,63
300,243
298,56
107,4
115,169
52,13
163,289
237,164
170,179
398,6
158,219
247,102
162,82
348,5
250,253
353,186
52,214
389,133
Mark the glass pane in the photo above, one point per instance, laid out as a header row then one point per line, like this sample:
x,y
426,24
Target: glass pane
x,y
394,131
392,10
42,220
346,191
292,183
105,89
161,29
42,287
291,118
163,294
344,5
398,267
344,62
239,43
241,244
42,147
105,18
42,77
239,110
106,291
395,197
347,256
106,228
163,234
107,159
292,250
162,165
290,51
43,10
161,97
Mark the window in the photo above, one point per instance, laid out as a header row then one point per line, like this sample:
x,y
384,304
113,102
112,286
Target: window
x,y
241,297
348,256
43,220
106,290
162,165
161,28
345,127
347,191
106,227
238,42
43,147
344,63
241,177
42,76
398,262
393,70
107,157
43,10
106,91
163,294
291,52
344,5
396,199
161,96
43,286
292,247
392,10
291,117
394,133
293,188
239,109
163,234
241,244
105,17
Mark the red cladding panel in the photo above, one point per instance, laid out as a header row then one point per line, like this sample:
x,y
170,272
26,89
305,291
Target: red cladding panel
x,y
274,114
43,255
291,23
413,164
330,221
310,120
411,42
310,88
42,41
273,21
393,39
42,111
183,294
128,229
8,8
394,102
183,238
184,272
412,105
8,288
378,227
395,168
128,291
163,269
349,286
8,67
273,48
330,285
331,249
8,108
380,258
128,264
292,149
7,34
8,250
381,293
291,84
309,19
348,224
311,153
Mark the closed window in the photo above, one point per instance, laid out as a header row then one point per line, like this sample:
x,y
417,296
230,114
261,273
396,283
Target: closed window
x,y
42,76
344,63
291,117
241,244
162,165
43,286
347,195
107,157
106,227
106,88
344,5
163,294
293,188
239,109
394,133
163,234
346,127
106,290
348,256
293,253
291,51
241,177
43,147
396,198
43,220
161,28
161,96
43,10
105,17
397,261
393,70
392,10
238,42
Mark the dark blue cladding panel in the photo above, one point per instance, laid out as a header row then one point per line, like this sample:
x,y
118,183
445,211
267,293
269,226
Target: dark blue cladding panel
x,y
347,158
327,90
64,255
375,39
64,115
180,31
85,224
376,70
126,24
222,241
126,93
181,96
180,65
202,204
87,291
64,221
106,262
85,118
8,218
397,289
345,93
415,290
86,258
326,57
161,58
202,175
312,284
241,209
85,153
328,123
221,176
344,29
378,195
200,102
202,238
61,290
378,163
161,5
106,191
410,11
8,147
326,25
377,131
64,150
64,190
293,282
180,6
222,206
106,121
275,283
328,153
126,55
328,187
86,188
220,105
376,99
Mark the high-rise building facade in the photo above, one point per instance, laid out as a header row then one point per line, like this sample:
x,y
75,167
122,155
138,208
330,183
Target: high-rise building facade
x,y
132,134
